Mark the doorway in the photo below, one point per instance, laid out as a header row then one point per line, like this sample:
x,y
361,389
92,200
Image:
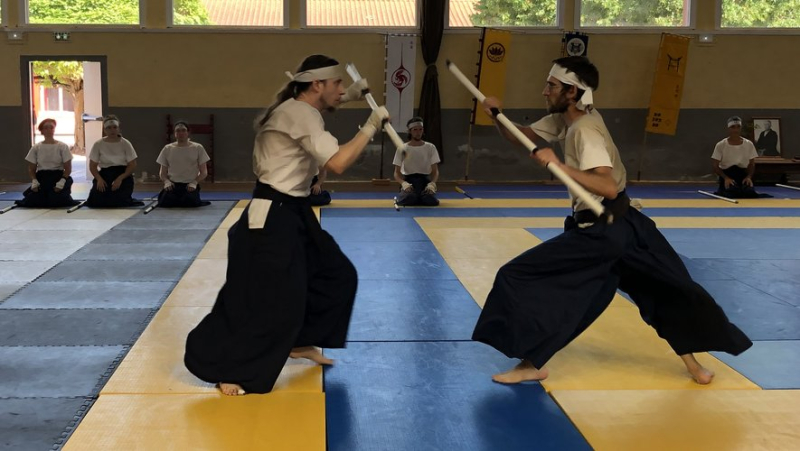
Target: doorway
x,y
72,90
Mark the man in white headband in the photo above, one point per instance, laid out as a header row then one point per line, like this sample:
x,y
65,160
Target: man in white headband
x,y
550,294
183,165
290,289
734,161
416,168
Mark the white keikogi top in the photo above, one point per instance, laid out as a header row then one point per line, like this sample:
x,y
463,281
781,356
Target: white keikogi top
x,y
587,144
418,159
734,155
289,150
183,162
49,157
107,154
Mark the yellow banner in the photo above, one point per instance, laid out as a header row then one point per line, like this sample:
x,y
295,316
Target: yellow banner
x,y
492,69
665,100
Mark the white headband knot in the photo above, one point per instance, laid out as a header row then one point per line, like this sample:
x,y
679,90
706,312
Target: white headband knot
x,y
561,74
323,73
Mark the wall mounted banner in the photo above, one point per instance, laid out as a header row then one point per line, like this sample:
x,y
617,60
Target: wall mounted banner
x,y
665,100
401,55
495,45
575,44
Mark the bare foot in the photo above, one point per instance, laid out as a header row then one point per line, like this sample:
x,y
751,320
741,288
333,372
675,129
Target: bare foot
x,y
310,353
700,374
525,371
231,389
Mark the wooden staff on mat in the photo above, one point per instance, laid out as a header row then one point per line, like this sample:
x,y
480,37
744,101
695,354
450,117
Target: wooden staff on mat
x,y
726,199
573,186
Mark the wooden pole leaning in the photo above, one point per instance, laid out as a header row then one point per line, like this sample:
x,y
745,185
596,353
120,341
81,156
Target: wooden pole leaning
x,y
573,186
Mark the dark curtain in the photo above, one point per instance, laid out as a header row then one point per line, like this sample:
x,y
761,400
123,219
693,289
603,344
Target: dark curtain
x,y
429,106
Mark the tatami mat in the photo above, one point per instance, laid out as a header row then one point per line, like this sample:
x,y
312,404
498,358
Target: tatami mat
x,y
278,422
671,420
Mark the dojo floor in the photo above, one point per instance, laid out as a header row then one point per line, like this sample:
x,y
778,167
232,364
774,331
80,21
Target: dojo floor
x,y
92,331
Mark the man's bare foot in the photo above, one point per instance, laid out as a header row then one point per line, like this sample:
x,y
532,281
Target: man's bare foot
x,y
310,353
700,374
524,371
231,389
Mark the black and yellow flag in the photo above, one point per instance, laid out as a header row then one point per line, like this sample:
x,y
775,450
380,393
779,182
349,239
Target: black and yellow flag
x,y
495,45
665,100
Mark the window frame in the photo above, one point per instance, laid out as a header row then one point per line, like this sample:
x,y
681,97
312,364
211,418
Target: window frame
x,y
25,25
558,27
171,26
639,29
719,29
350,29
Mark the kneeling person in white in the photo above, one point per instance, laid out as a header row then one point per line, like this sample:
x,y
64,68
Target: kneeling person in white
x,y
733,161
416,168
183,167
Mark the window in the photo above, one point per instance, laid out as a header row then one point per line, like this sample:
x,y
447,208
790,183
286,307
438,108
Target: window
x,y
228,13
84,12
760,14
503,13
362,13
635,13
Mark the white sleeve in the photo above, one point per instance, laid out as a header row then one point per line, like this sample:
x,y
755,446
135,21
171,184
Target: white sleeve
x,y
398,156
33,154
591,149
434,157
751,152
717,155
130,152
551,128
202,155
308,129
66,155
94,154
162,156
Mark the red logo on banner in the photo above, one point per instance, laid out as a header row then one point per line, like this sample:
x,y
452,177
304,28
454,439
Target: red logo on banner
x,y
401,78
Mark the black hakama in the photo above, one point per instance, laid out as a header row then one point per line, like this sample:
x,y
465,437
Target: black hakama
x,y
738,190
417,195
46,196
288,285
318,200
122,197
180,197
546,297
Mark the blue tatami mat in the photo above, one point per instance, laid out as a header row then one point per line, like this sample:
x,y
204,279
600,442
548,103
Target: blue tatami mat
x,y
778,278
404,310
398,228
759,315
736,243
437,396
770,364
415,260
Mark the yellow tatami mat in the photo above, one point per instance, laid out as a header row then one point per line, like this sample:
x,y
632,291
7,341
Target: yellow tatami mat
x,y
153,402
155,364
275,422
565,203
619,351
685,420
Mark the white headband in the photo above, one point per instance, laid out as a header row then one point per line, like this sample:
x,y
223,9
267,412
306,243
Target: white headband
x,y
181,127
564,76
733,122
323,73
414,124
110,122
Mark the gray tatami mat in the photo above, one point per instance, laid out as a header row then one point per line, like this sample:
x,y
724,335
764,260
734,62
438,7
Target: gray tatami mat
x,y
123,271
35,424
151,251
120,236
68,327
89,295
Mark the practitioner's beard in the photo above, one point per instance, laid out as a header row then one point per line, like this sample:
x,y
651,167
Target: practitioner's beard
x,y
561,105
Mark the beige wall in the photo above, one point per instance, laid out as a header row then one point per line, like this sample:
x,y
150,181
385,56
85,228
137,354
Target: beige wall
x,y
159,67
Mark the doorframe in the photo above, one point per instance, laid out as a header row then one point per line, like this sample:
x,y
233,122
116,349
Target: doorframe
x,y
25,74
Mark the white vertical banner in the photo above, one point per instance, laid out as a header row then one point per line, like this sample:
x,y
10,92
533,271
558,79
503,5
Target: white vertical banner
x,y
401,56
